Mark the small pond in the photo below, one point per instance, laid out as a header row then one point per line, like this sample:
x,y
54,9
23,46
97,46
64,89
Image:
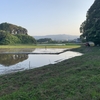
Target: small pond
x,y
14,60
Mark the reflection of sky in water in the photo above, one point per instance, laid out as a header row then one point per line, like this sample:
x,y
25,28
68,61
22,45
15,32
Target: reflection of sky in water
x,y
34,61
48,50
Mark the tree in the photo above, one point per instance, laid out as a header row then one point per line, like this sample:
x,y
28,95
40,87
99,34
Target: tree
x,y
44,40
90,28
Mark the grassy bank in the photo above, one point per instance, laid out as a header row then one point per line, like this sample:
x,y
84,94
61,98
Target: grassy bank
x,y
41,46
74,79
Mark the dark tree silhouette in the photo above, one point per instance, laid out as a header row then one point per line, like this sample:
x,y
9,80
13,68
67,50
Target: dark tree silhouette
x,y
90,28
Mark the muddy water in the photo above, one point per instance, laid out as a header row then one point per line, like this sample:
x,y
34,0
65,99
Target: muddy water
x,y
14,60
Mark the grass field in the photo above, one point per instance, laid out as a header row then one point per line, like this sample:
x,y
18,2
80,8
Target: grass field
x,y
77,78
41,46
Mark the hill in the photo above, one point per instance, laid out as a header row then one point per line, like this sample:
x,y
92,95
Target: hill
x,y
58,37
13,34
13,29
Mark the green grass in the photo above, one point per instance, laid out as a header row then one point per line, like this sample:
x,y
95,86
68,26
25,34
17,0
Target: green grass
x,y
40,46
77,78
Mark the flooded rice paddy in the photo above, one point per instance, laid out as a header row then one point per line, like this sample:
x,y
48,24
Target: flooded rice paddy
x,y
14,60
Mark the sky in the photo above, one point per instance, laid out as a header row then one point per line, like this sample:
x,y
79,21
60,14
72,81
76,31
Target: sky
x,y
45,17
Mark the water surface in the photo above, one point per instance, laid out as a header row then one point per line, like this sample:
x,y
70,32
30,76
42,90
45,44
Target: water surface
x,y
19,60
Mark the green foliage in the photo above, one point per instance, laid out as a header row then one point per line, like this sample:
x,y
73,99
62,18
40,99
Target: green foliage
x,y
12,34
7,38
90,28
26,39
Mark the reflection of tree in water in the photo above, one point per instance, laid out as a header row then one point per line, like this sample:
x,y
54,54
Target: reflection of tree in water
x,y
11,59
16,50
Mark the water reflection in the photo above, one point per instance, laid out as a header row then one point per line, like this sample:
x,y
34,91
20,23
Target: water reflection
x,y
16,50
9,56
12,59
21,59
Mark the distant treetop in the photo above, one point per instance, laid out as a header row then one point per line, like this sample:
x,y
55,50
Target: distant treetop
x,y
13,29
